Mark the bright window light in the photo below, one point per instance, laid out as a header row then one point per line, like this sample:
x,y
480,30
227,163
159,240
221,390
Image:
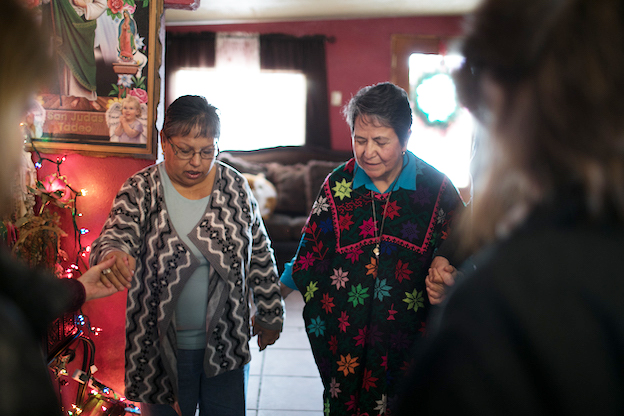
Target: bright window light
x,y
257,109
447,149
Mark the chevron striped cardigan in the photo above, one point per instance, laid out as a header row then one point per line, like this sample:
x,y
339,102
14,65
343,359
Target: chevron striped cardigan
x,y
232,237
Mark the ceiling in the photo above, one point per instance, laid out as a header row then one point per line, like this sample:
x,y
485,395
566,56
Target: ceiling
x,y
240,11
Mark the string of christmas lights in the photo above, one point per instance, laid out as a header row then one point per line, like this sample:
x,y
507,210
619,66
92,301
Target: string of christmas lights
x,y
71,203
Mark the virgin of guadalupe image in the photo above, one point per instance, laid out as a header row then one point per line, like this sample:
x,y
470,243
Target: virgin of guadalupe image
x,y
127,32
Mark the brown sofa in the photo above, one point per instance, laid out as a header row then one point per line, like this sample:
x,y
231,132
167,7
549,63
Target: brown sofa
x,y
297,174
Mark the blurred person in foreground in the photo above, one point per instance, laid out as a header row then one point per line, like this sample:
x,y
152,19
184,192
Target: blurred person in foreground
x,y
538,328
190,244
373,232
29,300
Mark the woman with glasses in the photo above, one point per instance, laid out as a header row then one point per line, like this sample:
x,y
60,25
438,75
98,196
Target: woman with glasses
x,y
190,246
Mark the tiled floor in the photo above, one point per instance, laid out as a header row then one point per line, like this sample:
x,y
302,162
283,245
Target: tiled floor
x,y
283,379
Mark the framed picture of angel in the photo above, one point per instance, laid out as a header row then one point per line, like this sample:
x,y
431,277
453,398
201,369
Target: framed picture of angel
x,y
106,91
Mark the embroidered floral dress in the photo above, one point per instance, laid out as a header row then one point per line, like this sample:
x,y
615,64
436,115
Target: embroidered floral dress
x,y
363,314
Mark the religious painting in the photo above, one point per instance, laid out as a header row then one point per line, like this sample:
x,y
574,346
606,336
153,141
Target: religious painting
x,y
106,90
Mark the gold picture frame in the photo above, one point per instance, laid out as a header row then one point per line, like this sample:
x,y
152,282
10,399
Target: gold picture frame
x,y
81,112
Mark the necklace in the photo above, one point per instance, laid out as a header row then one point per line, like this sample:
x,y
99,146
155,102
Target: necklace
x,y
383,217
383,221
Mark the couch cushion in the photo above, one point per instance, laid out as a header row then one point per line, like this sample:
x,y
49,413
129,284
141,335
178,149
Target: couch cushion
x,y
289,180
242,165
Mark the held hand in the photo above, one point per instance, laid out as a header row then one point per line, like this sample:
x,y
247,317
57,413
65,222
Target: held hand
x,y
120,273
441,276
265,336
94,288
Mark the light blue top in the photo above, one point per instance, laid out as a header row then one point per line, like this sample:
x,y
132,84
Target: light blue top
x,y
406,180
191,308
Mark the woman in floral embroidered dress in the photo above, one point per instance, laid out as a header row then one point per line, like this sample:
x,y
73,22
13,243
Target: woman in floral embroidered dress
x,y
365,253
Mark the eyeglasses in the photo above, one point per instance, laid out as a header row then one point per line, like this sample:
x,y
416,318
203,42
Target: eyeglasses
x,y
188,154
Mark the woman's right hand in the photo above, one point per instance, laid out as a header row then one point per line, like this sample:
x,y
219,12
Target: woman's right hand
x,y
120,273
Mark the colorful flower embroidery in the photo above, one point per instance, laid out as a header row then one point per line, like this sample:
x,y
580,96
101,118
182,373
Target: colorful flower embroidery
x,y
402,271
342,189
334,388
352,403
422,196
347,364
317,326
339,278
368,228
414,300
320,205
441,216
381,289
392,210
372,267
357,295
369,380
409,231
306,261
343,321
345,221
312,287
354,255
327,302
361,337
326,226
382,405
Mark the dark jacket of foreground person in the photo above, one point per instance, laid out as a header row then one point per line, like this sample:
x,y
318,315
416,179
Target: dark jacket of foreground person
x,y
536,330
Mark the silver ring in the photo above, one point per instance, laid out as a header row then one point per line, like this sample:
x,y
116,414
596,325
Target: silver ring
x,y
106,271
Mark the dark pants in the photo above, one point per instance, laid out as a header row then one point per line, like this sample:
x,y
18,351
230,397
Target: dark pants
x,y
223,395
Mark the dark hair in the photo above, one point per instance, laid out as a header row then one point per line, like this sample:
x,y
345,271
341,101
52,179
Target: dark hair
x,y
385,103
192,114
559,65
26,60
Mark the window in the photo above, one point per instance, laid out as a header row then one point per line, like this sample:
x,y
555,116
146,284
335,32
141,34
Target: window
x,y
257,108
446,146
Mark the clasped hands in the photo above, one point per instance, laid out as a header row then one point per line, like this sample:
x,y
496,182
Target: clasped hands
x,y
119,274
441,276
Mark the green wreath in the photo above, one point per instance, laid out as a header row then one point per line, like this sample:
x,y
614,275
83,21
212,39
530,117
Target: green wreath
x,y
435,99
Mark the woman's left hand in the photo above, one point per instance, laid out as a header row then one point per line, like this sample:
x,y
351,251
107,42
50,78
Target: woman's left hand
x,y
265,336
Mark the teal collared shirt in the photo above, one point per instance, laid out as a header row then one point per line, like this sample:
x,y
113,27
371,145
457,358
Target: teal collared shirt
x,y
406,180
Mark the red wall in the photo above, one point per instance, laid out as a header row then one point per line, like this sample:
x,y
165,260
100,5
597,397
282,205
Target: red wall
x,y
359,56
101,178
